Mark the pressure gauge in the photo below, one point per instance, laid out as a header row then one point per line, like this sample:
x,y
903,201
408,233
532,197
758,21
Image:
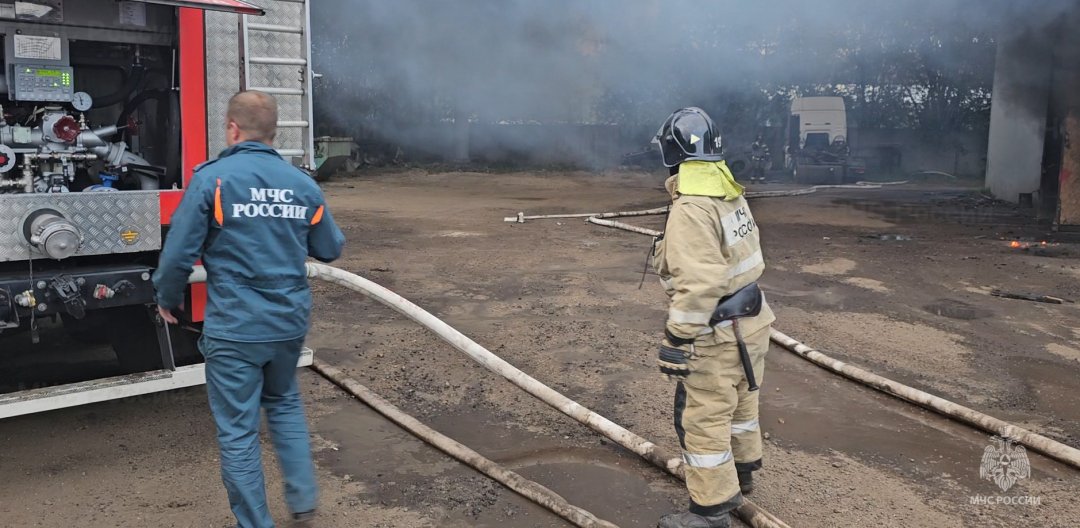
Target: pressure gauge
x,y
82,101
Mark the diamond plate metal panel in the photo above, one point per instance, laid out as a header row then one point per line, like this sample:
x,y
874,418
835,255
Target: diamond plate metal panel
x,y
223,67
282,45
222,73
289,138
100,216
279,45
266,44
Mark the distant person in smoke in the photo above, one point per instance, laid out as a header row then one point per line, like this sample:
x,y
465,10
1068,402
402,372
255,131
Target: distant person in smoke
x,y
253,219
759,159
717,330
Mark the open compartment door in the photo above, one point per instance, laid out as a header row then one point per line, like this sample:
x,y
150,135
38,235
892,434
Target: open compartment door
x,y
232,6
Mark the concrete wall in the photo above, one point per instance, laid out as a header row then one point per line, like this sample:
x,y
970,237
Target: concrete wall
x,y
1018,117
1069,187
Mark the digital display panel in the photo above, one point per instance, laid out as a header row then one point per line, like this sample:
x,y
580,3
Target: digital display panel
x,y
34,83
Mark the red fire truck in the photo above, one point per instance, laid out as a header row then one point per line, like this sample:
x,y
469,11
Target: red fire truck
x,y
107,108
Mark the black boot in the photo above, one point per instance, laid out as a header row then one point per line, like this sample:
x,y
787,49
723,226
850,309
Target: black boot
x,y
693,520
746,482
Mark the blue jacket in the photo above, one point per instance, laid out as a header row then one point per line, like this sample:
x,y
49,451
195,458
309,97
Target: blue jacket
x,y
253,219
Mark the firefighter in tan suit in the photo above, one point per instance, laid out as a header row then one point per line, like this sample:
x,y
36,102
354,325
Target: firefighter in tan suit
x,y
717,330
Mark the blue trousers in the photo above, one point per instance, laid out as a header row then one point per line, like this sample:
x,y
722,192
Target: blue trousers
x,y
241,378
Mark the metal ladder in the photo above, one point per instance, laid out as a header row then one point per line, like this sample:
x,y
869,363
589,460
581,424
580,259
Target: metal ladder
x,y
276,75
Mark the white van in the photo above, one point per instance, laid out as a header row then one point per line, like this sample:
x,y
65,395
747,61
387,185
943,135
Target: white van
x,y
819,121
817,142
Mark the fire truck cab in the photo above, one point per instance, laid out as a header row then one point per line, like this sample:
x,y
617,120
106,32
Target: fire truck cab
x,y
107,108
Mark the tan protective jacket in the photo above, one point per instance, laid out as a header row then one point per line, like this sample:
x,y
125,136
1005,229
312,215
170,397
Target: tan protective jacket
x,y
710,250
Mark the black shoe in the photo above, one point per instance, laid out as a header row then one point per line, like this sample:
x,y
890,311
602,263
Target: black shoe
x,y
746,482
303,518
693,520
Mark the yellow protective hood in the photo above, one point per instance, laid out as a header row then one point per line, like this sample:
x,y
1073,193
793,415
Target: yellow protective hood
x,y
708,178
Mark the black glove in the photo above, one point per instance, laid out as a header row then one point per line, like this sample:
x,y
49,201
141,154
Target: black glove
x,y
674,362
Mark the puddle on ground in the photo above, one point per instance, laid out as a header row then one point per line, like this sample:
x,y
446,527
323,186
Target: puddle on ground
x,y
399,470
372,449
822,411
614,484
957,310
622,495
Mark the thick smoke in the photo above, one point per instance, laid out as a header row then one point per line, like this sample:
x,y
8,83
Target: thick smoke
x,y
412,73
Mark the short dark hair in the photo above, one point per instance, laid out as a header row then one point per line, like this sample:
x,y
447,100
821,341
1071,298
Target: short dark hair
x,y
256,113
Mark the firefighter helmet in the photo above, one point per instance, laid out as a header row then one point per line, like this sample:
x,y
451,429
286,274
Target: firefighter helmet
x,y
689,134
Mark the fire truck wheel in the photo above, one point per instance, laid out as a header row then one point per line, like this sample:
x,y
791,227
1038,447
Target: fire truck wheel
x,y
134,339
90,330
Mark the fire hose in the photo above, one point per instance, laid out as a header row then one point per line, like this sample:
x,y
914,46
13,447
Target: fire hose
x,y
529,489
526,488
1051,448
960,413
748,512
521,217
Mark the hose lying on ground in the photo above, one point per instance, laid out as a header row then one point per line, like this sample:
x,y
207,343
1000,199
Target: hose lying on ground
x,y
780,193
933,173
1040,443
527,488
748,512
750,195
521,218
624,227
1051,448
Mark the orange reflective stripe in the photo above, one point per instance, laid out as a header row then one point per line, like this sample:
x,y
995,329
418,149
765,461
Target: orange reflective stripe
x,y
318,215
219,214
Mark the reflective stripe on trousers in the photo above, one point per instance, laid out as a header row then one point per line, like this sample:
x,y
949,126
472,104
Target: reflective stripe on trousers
x,y
745,427
711,476
716,419
707,461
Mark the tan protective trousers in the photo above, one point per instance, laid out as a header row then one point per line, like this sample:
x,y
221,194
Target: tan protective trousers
x,y
716,418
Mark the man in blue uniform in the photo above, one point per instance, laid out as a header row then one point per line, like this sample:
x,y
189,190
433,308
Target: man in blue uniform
x,y
253,219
